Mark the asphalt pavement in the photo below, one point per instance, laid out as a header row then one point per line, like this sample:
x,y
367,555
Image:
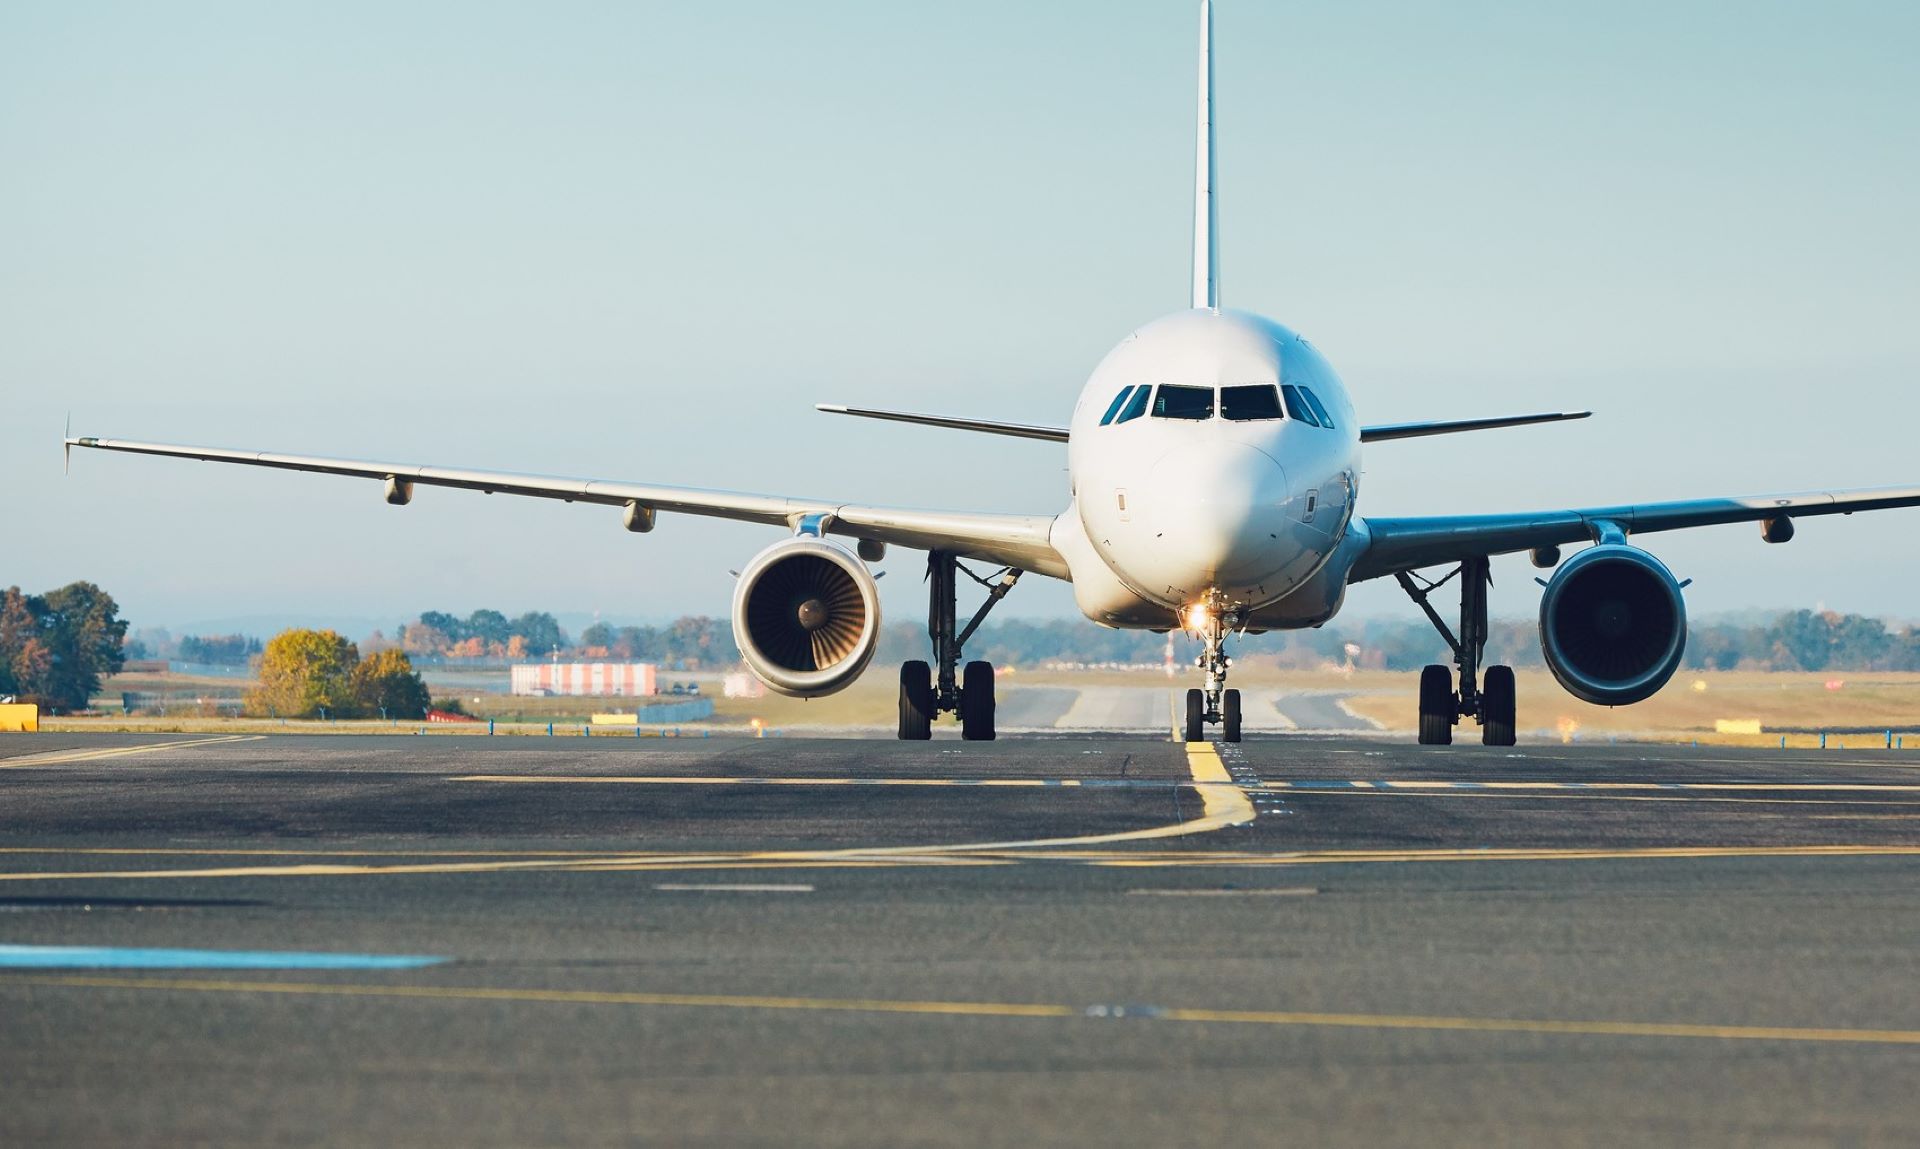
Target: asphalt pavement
x,y
461,940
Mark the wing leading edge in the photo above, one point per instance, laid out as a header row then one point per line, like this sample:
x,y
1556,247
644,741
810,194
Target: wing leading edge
x,y
1408,543
985,426
1385,431
1011,540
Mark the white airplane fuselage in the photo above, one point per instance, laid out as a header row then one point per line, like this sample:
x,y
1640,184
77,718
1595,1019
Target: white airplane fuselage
x,y
1223,492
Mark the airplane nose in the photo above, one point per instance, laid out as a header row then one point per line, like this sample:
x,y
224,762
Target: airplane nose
x,y
1217,511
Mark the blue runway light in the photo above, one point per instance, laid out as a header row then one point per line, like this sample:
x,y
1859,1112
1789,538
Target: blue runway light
x,y
108,957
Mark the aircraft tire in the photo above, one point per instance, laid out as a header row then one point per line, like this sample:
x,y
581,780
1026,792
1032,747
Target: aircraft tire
x,y
1230,716
916,702
1436,706
977,702
1497,707
1196,717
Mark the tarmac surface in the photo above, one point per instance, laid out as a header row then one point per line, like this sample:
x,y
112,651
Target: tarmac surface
x,y
457,940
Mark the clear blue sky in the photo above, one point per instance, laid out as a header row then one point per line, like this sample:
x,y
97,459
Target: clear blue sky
x,y
640,240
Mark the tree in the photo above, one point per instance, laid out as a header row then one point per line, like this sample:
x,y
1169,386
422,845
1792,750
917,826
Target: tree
x,y
56,646
419,638
385,683
1802,640
489,626
540,630
19,625
452,628
304,671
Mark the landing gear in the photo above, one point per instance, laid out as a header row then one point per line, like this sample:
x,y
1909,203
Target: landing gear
x,y
1441,706
976,702
1436,706
1213,702
1497,707
916,702
928,690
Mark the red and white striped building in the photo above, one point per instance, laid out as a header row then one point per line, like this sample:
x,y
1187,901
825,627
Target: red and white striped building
x,y
594,679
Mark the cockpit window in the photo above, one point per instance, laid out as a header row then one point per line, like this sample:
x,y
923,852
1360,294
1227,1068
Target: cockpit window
x,y
1319,408
1136,406
1114,408
1297,407
1176,402
1255,401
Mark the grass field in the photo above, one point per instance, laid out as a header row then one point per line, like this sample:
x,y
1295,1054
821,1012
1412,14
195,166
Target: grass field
x,y
1689,705
1856,706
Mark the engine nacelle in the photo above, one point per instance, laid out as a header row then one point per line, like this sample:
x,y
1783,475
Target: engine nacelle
x,y
1613,625
806,616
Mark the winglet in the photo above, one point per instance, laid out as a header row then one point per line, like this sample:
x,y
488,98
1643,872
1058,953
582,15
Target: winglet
x,y
66,447
1206,207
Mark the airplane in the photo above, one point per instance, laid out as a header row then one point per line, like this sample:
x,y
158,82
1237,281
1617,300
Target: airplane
x,y
1214,463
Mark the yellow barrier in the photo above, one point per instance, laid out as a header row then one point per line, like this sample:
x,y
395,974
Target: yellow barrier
x,y
1736,726
616,720
19,717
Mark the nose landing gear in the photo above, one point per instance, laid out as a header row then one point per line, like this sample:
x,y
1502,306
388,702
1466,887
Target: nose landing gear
x,y
1213,702
928,690
1490,702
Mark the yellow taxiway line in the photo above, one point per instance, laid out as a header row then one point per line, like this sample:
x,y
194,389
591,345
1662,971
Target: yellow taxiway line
x,y
1224,803
988,1009
68,757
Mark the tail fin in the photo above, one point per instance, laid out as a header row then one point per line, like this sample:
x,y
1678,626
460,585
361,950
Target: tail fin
x,y
1206,208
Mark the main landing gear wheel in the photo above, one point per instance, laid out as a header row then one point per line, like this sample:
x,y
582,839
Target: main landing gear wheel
x,y
1436,706
916,702
1490,702
1196,716
1497,707
1230,716
976,702
943,687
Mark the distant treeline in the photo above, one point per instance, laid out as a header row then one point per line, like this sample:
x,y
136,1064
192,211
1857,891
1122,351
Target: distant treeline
x,y
484,634
151,643
1799,640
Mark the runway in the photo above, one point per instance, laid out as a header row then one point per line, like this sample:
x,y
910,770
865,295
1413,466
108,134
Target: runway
x,y
1063,940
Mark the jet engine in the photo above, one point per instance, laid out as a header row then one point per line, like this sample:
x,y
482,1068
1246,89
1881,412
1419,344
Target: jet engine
x,y
1613,625
806,616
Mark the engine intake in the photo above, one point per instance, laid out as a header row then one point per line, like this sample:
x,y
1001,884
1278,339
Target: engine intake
x,y
806,616
1613,625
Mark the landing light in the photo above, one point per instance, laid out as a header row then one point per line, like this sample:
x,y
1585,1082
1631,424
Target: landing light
x,y
1198,616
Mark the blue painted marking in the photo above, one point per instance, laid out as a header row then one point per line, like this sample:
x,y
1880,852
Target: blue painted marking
x,y
107,957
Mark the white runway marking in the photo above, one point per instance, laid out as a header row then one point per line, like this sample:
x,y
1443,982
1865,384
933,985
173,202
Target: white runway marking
x,y
1281,892
733,888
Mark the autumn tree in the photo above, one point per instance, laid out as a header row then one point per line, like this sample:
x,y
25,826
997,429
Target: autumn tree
x,y
303,672
385,683
56,646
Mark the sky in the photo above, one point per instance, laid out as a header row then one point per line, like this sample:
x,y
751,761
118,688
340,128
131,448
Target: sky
x,y
640,241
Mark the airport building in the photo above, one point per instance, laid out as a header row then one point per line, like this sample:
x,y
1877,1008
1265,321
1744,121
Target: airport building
x,y
594,679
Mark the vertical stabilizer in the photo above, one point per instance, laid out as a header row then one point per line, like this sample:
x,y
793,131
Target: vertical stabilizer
x,y
1206,206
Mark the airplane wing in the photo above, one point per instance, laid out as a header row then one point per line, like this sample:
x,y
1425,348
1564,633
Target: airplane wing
x,y
1382,431
987,426
1009,540
1409,543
